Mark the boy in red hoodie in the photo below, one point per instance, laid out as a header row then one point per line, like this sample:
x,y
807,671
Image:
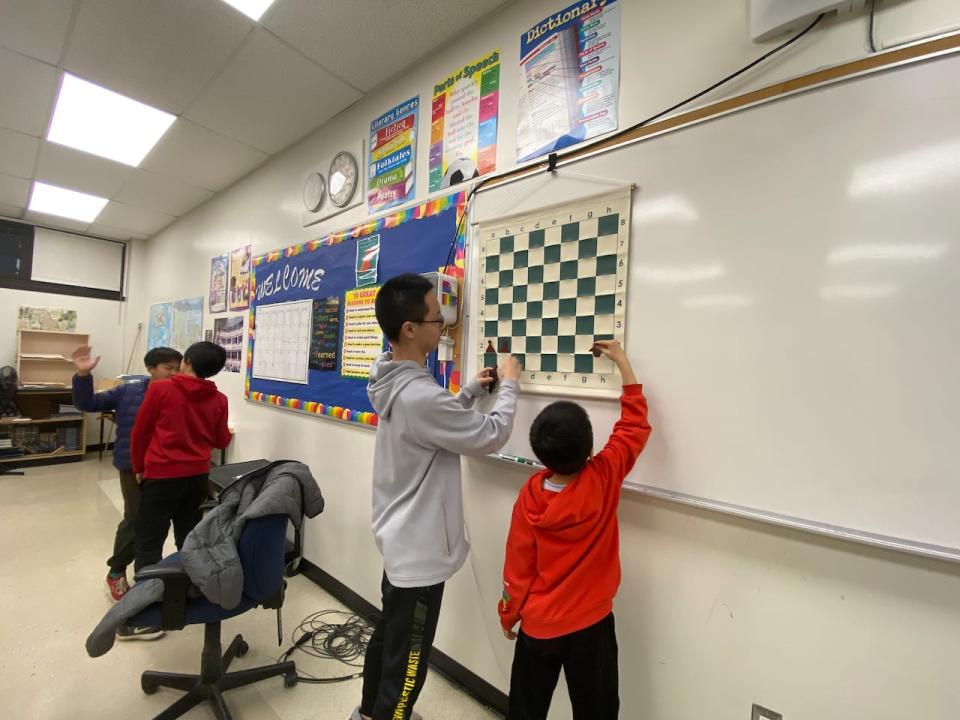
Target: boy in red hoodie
x,y
562,567
179,423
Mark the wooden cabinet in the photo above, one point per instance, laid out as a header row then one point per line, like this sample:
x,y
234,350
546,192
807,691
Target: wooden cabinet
x,y
47,430
43,356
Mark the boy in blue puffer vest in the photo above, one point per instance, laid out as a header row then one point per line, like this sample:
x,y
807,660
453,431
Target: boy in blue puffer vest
x,y
124,400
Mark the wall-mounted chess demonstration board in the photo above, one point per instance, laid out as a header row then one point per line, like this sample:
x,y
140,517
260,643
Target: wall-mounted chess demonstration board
x,y
551,283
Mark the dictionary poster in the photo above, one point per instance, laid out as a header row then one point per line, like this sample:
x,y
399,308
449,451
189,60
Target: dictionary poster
x,y
569,78
392,171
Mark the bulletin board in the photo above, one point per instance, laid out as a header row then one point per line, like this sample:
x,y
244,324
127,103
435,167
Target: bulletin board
x,y
313,333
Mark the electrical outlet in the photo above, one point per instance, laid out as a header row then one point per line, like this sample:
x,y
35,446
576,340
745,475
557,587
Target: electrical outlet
x,y
761,713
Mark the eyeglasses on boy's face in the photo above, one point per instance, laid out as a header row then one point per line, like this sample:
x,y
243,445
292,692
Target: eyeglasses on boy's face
x,y
440,322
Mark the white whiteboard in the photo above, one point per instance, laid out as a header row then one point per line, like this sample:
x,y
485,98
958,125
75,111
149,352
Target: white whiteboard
x,y
795,303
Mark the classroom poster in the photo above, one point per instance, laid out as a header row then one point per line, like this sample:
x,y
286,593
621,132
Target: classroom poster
x,y
569,78
228,334
392,170
187,323
463,123
219,268
325,333
368,256
159,325
362,336
239,291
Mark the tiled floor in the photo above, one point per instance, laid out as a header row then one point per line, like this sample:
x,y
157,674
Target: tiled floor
x,y
56,531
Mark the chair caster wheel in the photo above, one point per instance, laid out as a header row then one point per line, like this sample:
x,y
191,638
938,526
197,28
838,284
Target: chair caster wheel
x,y
148,687
243,648
290,680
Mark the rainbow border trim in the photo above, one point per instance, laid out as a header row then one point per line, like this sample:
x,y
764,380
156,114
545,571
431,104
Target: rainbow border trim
x,y
392,220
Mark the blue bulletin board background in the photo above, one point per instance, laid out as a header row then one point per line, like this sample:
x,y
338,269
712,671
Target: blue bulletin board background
x,y
417,239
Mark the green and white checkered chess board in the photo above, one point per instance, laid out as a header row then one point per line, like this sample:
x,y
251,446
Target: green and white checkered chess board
x,y
550,284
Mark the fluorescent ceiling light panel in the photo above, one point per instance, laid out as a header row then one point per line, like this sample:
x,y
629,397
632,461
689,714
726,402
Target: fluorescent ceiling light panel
x,y
98,121
253,9
54,200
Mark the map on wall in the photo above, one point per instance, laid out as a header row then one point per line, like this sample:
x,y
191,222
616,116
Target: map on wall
x,y
159,325
46,318
187,323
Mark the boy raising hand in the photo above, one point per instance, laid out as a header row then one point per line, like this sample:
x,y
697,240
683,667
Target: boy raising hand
x,y
562,567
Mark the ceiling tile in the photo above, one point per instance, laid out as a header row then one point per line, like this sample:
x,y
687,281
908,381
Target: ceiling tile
x,y
35,27
14,190
269,96
163,194
201,157
394,34
18,153
108,231
55,221
10,211
33,84
77,170
160,53
139,220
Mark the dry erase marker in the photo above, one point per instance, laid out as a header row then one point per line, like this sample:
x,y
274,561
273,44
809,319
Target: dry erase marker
x,y
514,458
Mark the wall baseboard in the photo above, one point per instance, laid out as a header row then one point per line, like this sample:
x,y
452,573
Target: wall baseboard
x,y
471,683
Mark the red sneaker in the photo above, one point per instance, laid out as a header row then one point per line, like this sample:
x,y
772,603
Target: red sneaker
x,y
117,587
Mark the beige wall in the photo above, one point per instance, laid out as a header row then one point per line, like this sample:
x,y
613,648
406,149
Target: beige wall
x,y
714,613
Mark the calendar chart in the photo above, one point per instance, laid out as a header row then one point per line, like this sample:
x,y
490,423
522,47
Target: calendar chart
x,y
283,333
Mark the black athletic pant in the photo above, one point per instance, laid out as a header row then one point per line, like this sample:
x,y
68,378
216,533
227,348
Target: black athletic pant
x,y
395,666
588,658
163,501
123,548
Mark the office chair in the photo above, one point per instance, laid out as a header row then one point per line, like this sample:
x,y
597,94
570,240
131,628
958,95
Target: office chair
x,y
261,550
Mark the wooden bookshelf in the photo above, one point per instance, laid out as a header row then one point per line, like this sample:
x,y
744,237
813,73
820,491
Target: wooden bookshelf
x,y
43,356
45,373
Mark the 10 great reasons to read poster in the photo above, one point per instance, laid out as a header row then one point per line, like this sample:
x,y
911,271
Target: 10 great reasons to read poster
x,y
569,77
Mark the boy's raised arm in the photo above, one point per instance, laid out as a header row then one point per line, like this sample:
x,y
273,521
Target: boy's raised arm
x,y
632,430
440,421
84,397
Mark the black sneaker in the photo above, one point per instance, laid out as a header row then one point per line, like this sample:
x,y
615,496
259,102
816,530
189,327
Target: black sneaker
x,y
127,632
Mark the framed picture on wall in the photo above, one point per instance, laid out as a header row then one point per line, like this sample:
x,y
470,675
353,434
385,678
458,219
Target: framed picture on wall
x,y
219,271
239,290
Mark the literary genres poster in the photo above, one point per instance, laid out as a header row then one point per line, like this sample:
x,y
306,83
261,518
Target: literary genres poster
x,y
392,171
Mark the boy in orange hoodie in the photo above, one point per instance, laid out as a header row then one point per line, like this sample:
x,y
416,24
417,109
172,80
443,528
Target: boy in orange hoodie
x,y
562,567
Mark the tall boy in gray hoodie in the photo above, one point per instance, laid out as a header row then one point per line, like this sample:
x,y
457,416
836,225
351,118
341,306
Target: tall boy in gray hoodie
x,y
417,497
